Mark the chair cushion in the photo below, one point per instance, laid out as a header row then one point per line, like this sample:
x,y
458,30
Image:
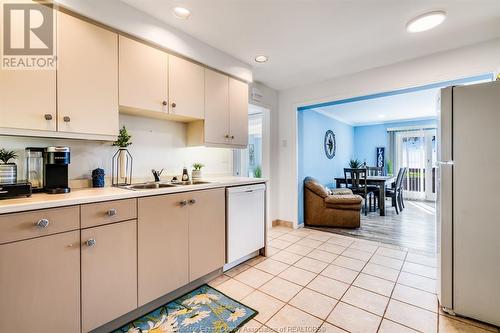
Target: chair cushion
x,y
340,191
345,201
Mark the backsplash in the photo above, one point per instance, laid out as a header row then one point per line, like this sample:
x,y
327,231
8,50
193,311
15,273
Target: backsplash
x,y
157,144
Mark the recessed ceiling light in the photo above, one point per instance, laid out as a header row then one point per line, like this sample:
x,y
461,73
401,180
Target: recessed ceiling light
x,y
426,21
261,58
182,13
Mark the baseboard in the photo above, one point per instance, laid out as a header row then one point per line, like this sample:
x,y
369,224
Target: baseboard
x,y
283,223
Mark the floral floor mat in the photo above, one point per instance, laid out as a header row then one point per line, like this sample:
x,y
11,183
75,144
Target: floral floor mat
x,y
204,310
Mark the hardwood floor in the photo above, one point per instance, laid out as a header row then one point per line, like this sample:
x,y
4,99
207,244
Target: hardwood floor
x,y
414,228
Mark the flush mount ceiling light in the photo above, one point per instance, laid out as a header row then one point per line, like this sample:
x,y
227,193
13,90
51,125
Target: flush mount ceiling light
x,y
261,58
426,21
181,13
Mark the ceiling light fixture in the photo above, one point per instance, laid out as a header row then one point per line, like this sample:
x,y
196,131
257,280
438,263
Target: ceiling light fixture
x,y
426,21
261,58
182,13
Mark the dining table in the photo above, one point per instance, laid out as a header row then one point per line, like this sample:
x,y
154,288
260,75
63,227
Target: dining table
x,y
381,181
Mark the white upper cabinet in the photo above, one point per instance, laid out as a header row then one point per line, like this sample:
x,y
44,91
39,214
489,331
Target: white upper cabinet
x,y
87,77
238,112
186,88
216,107
143,77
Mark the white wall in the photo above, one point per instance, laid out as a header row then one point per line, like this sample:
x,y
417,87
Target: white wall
x,y
270,102
157,144
123,17
463,62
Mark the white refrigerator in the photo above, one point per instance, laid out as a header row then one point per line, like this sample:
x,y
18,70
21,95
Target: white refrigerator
x,y
468,214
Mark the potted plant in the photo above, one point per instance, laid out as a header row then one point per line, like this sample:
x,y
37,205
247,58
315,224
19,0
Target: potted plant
x,y
389,168
354,164
122,160
257,172
196,173
8,171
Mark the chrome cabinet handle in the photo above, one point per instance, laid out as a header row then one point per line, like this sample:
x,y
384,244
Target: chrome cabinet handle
x,y
48,116
42,223
183,203
66,119
111,212
192,201
91,242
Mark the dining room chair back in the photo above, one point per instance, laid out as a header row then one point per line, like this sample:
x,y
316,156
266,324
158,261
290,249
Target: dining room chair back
x,y
355,177
374,171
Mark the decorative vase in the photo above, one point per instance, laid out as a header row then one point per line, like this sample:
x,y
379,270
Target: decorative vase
x,y
122,168
98,178
8,173
196,174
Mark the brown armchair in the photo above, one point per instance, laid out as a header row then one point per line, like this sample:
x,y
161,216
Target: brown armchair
x,y
340,208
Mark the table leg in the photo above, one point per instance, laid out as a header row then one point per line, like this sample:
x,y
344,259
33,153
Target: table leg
x,y
381,198
338,183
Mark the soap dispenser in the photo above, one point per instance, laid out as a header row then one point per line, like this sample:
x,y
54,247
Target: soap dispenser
x,y
185,175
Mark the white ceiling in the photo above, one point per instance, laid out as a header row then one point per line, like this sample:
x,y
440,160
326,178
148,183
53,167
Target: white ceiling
x,y
314,40
409,106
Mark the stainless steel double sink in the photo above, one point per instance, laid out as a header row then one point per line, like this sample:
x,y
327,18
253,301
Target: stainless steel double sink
x,y
157,185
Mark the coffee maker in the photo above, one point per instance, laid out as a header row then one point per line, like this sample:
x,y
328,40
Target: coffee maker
x,y
56,161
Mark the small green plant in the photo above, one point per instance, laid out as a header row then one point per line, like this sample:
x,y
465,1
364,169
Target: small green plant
x,y
197,166
7,155
388,165
257,172
354,164
123,140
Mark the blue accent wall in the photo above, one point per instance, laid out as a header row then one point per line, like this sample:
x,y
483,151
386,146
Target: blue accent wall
x,y
312,159
368,138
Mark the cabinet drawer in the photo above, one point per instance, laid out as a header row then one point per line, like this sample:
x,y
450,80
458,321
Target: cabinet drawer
x,y
108,212
18,226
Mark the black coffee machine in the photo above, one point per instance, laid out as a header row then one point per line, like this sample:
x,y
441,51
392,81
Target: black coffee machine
x,y
56,161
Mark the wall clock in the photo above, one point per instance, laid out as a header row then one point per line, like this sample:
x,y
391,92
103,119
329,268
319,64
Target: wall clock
x,y
330,144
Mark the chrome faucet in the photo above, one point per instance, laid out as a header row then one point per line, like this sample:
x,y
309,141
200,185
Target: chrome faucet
x,y
156,174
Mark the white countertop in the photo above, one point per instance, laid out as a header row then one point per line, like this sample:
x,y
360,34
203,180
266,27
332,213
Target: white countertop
x,y
89,195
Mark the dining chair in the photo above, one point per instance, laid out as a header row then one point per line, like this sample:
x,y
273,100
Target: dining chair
x,y
396,193
374,171
356,181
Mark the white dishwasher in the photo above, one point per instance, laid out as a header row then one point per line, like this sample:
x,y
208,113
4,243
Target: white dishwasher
x,y
245,216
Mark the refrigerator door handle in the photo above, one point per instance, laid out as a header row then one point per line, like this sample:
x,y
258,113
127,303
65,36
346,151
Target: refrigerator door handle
x,y
445,162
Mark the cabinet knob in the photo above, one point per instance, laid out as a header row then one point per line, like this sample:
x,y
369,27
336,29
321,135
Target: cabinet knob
x,y
164,103
183,203
111,212
48,116
227,136
174,105
42,223
66,119
232,136
192,201
91,242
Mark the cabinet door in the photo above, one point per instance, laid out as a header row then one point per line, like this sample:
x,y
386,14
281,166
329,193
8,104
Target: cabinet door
x,y
87,78
238,112
162,245
143,76
40,284
109,272
28,99
186,88
207,236
216,107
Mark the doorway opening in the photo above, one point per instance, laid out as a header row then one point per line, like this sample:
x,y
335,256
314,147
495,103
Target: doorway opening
x,y
394,134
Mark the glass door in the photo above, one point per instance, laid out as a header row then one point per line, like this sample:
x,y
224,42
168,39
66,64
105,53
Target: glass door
x,y
251,157
416,150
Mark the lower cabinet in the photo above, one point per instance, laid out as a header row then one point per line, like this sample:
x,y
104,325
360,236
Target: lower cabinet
x,y
40,284
162,245
181,237
109,273
207,232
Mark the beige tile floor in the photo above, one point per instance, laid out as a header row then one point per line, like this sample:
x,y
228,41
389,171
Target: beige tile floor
x,y
314,281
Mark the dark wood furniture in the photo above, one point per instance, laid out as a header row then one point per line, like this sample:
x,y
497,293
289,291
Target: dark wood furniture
x,y
380,181
374,171
358,185
396,193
